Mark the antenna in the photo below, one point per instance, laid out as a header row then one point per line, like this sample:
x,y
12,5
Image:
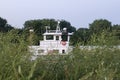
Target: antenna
x,y
58,27
47,27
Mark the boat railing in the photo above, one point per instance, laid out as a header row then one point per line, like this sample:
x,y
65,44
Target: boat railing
x,y
53,31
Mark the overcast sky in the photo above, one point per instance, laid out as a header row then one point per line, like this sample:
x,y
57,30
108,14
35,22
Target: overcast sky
x,y
80,13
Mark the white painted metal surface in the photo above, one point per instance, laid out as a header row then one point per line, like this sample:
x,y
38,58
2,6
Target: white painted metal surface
x,y
54,45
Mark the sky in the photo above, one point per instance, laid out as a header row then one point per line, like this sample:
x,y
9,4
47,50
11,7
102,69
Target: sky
x,y
80,13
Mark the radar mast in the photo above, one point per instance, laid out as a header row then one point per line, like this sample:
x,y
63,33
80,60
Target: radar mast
x,y
58,27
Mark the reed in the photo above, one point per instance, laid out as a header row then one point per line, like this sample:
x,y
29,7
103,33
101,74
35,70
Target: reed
x,y
80,64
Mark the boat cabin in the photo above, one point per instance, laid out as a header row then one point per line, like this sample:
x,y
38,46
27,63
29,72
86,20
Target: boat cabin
x,y
54,42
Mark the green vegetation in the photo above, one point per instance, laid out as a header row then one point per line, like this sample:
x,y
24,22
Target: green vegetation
x,y
97,28
81,64
4,27
101,63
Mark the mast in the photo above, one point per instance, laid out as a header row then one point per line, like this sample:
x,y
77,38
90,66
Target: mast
x,y
58,27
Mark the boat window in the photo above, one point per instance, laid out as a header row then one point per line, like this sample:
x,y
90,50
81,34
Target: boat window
x,y
49,37
57,37
63,51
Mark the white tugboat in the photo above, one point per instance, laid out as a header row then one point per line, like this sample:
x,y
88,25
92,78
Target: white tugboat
x,y
54,42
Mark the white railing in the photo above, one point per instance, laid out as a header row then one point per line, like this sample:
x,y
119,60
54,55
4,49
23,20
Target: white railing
x,y
53,31
52,44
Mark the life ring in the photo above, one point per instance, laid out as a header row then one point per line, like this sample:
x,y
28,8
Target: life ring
x,y
63,43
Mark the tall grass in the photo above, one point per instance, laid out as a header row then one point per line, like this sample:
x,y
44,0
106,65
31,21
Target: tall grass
x,y
14,56
80,64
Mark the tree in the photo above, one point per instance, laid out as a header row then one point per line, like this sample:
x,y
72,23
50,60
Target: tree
x,y
100,25
39,27
4,27
2,24
65,24
80,36
8,27
116,27
116,31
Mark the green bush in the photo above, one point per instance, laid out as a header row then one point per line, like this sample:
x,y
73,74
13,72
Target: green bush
x,y
80,64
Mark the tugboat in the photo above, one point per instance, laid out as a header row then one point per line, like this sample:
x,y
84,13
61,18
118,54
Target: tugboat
x,y
54,42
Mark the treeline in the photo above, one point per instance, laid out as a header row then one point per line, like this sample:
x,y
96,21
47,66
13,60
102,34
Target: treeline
x,y
100,29
4,26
